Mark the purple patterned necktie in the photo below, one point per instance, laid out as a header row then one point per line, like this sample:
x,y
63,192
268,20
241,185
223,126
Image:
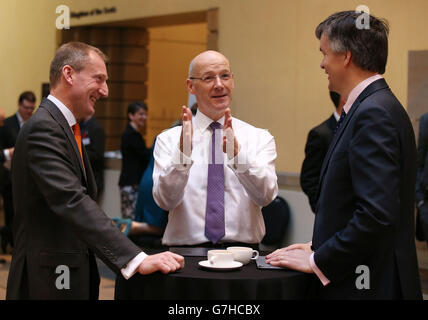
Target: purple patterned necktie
x,y
214,216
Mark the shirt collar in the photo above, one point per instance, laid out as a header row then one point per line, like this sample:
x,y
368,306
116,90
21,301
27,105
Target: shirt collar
x,y
336,115
69,116
357,91
202,122
20,120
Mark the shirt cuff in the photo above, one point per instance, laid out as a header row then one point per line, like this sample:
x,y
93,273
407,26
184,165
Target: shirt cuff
x,y
317,271
132,266
6,153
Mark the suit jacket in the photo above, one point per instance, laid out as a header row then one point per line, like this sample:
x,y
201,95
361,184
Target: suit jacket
x,y
2,168
422,180
317,144
57,222
8,134
422,175
135,157
11,129
365,211
94,139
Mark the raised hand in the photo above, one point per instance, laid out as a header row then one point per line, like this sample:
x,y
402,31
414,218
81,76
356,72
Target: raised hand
x,y
230,143
186,132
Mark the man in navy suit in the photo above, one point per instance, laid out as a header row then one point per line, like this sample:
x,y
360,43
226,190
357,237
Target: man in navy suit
x,y
363,240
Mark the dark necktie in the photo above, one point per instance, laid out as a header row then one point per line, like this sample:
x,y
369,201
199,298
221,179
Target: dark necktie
x,y
342,117
214,215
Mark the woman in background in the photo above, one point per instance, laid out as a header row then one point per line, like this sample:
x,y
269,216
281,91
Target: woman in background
x,y
135,157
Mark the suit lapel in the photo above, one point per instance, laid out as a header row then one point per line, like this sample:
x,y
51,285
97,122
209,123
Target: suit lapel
x,y
59,117
373,87
15,128
332,123
90,178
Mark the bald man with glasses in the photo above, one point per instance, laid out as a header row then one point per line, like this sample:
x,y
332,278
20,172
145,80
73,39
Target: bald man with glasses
x,y
215,172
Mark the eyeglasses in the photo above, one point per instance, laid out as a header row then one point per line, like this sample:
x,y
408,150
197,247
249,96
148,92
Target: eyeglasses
x,y
209,79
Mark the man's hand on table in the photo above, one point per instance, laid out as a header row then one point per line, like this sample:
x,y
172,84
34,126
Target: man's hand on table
x,y
164,262
295,257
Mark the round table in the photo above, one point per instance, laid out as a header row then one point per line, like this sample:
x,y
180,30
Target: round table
x,y
197,283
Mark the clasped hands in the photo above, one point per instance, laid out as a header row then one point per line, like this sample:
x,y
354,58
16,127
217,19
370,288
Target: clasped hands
x,y
230,143
294,257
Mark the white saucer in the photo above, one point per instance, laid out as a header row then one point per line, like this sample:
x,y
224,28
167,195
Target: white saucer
x,y
233,265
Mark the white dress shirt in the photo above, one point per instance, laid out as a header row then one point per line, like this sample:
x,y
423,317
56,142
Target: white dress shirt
x,y
181,186
131,268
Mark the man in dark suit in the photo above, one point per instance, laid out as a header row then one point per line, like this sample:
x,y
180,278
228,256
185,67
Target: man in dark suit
x,y
422,180
3,229
58,226
9,133
317,144
363,241
12,125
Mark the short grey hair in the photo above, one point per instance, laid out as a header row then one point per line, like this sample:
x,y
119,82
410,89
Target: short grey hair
x,y
369,47
74,54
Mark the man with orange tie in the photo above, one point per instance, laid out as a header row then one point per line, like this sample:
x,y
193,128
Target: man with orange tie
x,y
58,225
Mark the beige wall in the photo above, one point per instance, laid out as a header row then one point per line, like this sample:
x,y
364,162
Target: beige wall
x,y
270,44
171,49
27,37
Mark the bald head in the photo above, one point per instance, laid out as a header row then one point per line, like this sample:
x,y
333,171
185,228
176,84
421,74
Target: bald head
x,y
211,81
206,58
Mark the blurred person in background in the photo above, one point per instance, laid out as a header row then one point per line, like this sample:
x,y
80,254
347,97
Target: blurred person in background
x,y
135,158
9,133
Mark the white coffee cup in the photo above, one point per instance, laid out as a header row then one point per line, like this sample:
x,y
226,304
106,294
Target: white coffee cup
x,y
243,254
220,258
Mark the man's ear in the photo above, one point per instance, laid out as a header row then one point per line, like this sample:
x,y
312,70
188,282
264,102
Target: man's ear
x,y
190,87
347,58
68,73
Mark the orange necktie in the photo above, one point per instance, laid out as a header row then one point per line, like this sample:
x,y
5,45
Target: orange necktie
x,y
78,137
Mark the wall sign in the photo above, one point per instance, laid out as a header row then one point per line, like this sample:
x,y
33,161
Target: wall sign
x,y
93,12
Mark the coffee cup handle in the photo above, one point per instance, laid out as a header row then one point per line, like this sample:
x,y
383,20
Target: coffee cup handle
x,y
256,254
212,259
